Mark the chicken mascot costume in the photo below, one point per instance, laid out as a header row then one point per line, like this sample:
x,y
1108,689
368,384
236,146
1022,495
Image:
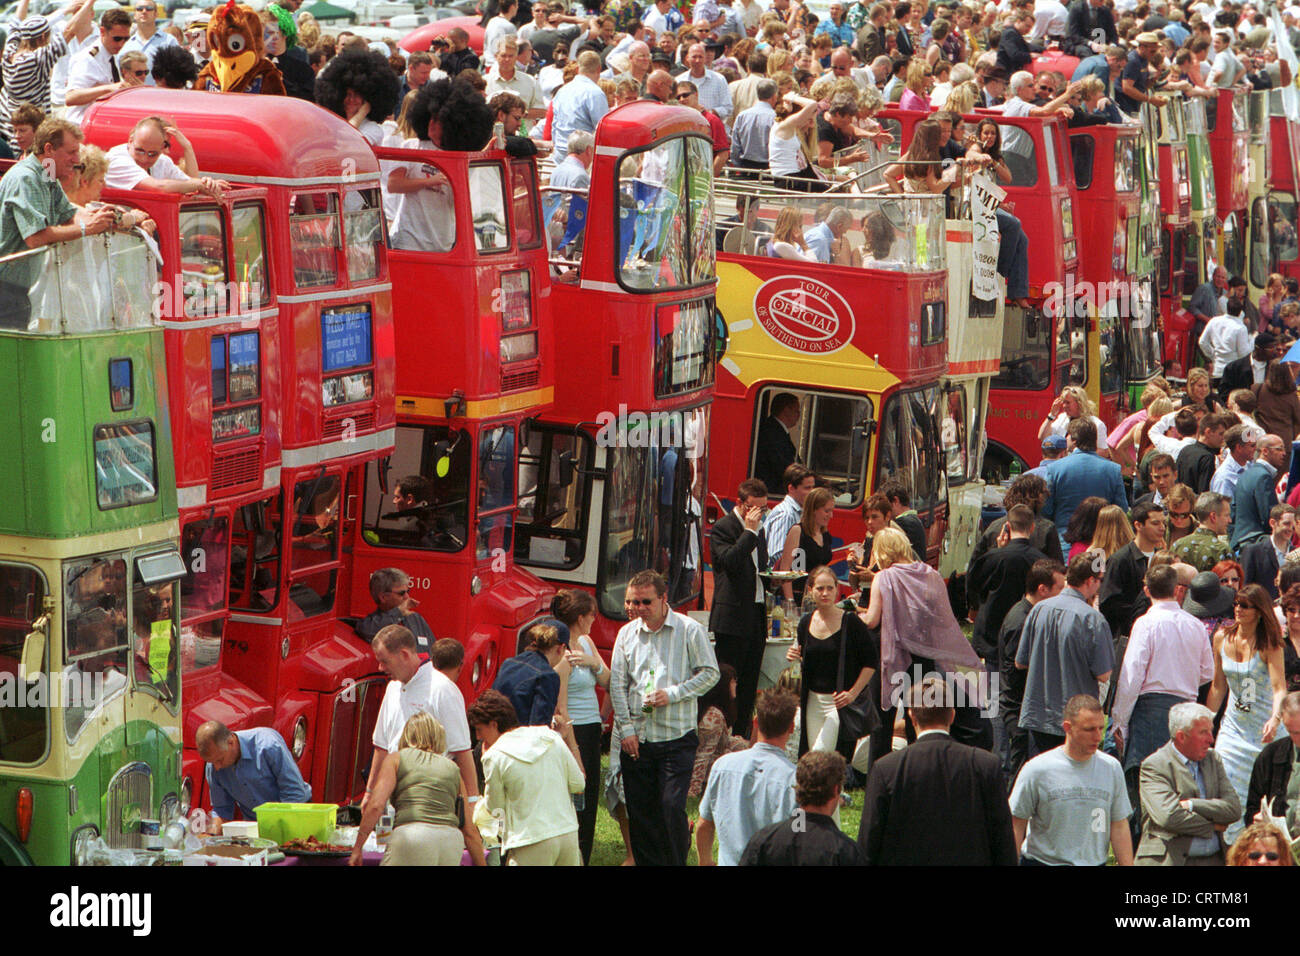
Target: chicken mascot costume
x,y
239,63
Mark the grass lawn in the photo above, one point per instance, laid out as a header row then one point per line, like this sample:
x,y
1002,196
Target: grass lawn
x,y
608,850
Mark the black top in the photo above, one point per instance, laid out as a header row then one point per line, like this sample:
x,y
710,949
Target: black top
x,y
839,139
995,582
377,620
911,524
1196,463
1014,53
1121,587
813,841
821,656
775,452
1135,69
1012,690
814,555
1291,664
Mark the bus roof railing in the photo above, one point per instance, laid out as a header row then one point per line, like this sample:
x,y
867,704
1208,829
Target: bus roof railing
x,y
98,283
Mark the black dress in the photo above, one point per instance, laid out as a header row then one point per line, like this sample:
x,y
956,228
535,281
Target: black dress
x,y
821,661
814,555
1290,663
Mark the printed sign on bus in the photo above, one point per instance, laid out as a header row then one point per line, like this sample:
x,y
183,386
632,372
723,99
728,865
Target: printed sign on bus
x,y
804,314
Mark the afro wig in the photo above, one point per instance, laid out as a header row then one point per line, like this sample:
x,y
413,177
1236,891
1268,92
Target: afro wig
x,y
365,72
466,120
174,66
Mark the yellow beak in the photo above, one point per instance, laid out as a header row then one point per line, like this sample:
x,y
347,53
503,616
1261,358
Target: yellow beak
x,y
231,71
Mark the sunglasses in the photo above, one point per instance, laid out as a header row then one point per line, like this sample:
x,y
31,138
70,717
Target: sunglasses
x,y
1179,515
638,602
146,8
401,593
79,167
139,72
1270,855
683,96
1244,605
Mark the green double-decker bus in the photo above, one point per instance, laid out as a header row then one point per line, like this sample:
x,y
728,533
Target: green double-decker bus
x,y
90,648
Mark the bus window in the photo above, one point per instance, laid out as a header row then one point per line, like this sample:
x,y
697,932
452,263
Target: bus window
x,y
255,542
96,636
315,544
665,238
1112,376
683,358
830,438
1026,354
496,491
236,380
524,212
1078,339
1281,221
952,433
205,549
653,508
249,249
1142,339
552,529
345,344
426,218
363,231
422,500
1234,247
314,235
1259,245
203,259
1190,266
1020,155
1082,150
125,470
121,384
24,723
1049,146
1126,165
487,200
910,448
154,645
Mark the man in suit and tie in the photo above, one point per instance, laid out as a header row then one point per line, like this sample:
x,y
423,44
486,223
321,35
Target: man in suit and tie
x,y
1187,799
1249,369
738,617
1260,561
1089,28
775,451
936,801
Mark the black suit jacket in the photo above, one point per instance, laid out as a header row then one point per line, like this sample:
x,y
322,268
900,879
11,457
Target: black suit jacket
x,y
1236,374
903,43
774,452
1259,562
1013,52
734,609
937,802
1269,778
994,583
1080,23
1196,464
1121,588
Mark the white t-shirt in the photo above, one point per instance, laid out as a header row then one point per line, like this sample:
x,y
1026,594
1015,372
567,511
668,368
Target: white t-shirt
x,y
59,76
125,173
430,691
392,201
426,218
1062,422
372,131
497,28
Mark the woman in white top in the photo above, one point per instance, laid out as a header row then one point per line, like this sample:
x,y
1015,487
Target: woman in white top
x,y
395,140
361,87
785,155
1069,405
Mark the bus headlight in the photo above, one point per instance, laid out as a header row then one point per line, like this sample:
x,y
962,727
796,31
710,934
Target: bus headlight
x,y
82,841
475,585
299,738
187,795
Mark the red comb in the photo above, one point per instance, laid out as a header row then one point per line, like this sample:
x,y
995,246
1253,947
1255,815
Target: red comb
x,y
229,8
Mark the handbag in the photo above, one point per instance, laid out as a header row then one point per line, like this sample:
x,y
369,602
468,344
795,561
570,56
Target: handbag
x,y
857,719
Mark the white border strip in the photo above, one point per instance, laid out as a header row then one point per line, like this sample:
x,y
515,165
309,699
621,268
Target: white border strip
x,y
337,293
339,180
247,319
314,455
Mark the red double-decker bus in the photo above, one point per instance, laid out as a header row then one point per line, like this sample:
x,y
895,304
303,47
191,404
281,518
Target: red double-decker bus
x,y
1284,187
1227,121
612,479
324,260
475,365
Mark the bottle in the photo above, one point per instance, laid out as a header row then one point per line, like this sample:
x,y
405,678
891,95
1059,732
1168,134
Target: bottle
x,y
778,621
499,135
383,829
1014,471
646,706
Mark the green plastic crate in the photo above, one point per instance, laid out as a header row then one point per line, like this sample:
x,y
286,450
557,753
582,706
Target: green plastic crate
x,y
283,822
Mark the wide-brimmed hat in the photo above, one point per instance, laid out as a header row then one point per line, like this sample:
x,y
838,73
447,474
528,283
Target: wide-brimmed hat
x,y
1207,597
1149,36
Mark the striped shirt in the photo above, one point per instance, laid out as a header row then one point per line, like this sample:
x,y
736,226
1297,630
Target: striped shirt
x,y
27,77
676,658
714,92
777,525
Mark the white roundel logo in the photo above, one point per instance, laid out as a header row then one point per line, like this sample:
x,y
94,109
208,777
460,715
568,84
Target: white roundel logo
x,y
803,314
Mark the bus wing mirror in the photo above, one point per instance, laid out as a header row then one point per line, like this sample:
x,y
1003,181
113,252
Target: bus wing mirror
x,y
381,473
567,468
34,649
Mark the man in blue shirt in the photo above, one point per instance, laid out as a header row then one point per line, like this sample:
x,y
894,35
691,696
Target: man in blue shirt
x,y
246,769
750,789
823,235
839,31
579,104
1105,66
1081,474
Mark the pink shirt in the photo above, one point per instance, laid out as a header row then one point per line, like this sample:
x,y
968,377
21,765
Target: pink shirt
x,y
1124,427
1167,654
911,101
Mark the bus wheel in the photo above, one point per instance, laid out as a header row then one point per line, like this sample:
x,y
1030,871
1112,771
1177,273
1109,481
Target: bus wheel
x,y
12,853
